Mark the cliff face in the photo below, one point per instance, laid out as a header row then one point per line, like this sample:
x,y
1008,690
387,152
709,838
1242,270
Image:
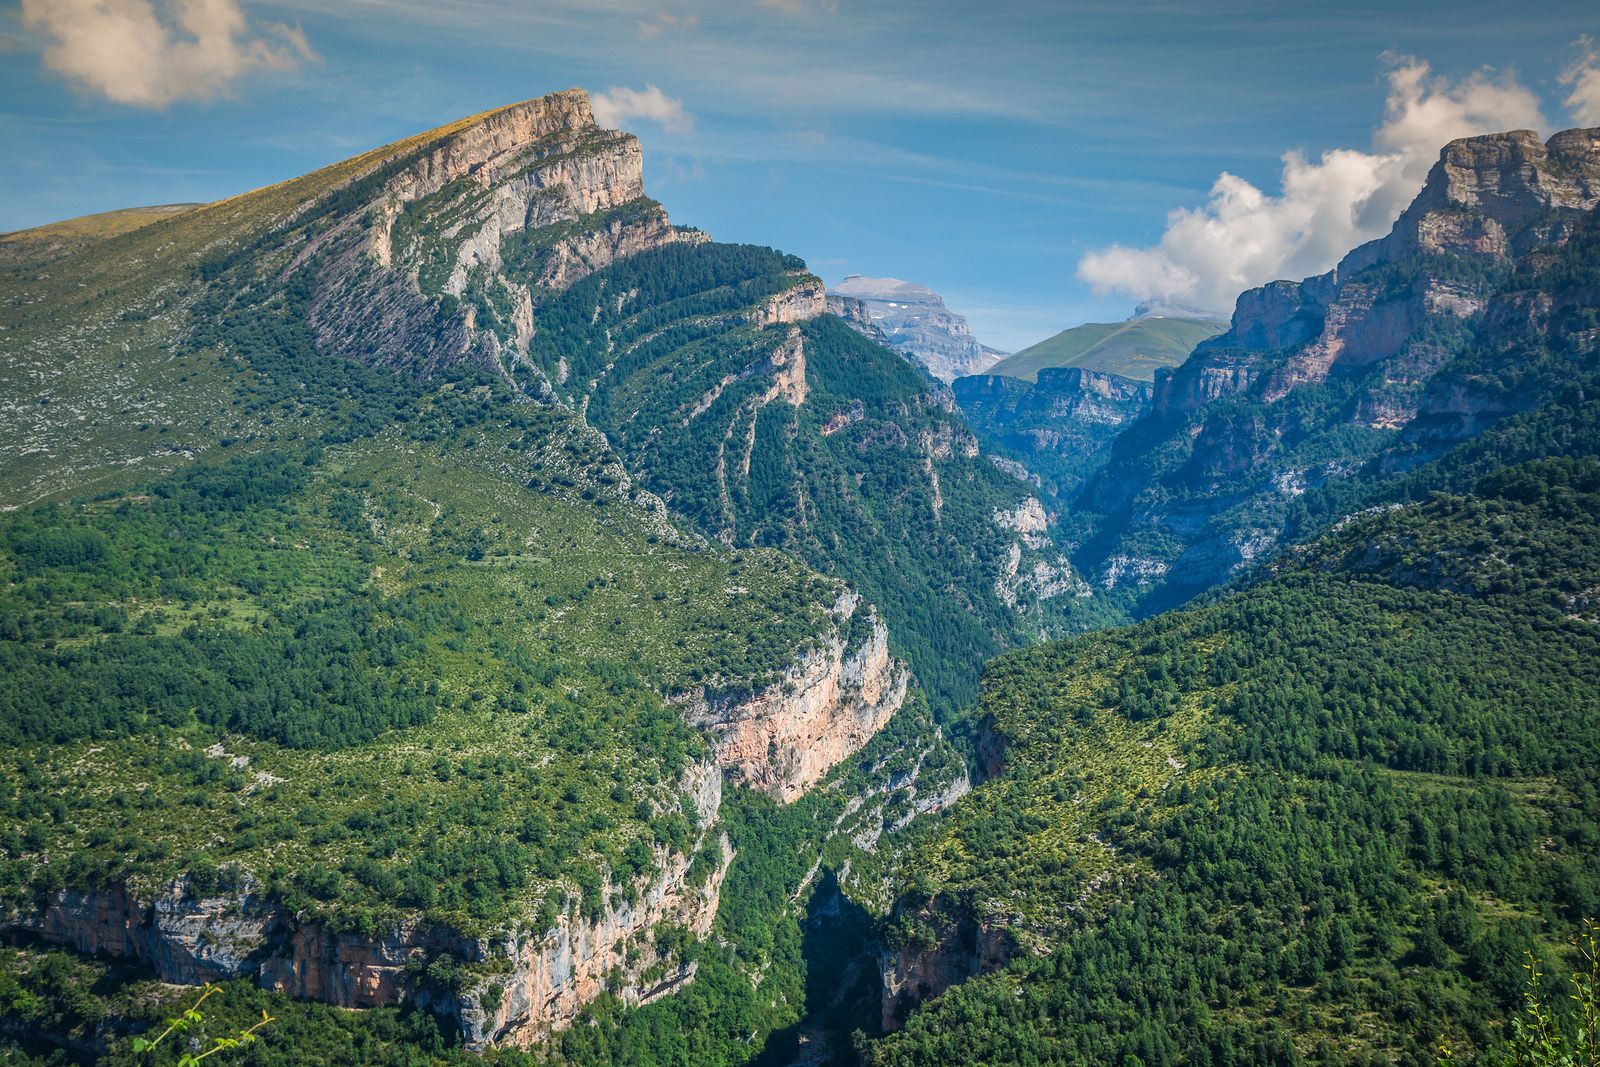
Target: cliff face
x,y
915,320
786,736
1385,339
857,315
538,979
1060,427
950,946
443,250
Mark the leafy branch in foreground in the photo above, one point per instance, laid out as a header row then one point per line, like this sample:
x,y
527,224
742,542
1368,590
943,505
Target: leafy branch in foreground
x,y
192,1016
1539,1039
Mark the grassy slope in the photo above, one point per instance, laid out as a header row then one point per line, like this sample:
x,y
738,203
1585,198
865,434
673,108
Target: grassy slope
x,y
100,386
543,627
1134,349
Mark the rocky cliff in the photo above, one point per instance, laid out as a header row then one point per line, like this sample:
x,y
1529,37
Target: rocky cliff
x,y
945,946
1350,358
914,320
438,251
519,985
1060,427
785,737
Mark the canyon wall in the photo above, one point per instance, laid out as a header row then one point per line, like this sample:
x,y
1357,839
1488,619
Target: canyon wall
x,y
784,737
537,980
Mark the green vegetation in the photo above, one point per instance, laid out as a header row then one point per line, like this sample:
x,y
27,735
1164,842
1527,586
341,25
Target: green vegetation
x,y
867,478
1318,820
1134,349
252,645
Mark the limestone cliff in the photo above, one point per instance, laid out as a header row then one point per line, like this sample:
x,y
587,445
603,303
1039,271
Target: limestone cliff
x,y
1373,360
784,737
915,320
529,982
439,252
947,946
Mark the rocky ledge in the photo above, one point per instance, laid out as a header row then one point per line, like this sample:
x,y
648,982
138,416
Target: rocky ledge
x,y
527,983
784,737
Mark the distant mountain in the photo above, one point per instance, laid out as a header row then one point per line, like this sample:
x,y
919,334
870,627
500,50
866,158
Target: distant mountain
x,y
1133,349
914,319
1478,304
1060,427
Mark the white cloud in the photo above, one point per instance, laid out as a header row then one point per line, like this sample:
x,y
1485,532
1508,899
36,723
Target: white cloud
x,y
1583,75
1243,237
134,53
619,105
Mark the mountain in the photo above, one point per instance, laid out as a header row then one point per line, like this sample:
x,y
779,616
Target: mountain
x,y
1133,349
1357,790
442,586
1352,782
409,663
1471,309
914,320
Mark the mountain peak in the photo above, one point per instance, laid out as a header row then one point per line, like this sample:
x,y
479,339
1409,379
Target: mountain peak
x,y
915,320
863,287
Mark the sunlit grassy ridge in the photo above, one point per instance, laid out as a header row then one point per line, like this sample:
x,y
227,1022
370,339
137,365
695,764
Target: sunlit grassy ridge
x,y
1134,349
102,382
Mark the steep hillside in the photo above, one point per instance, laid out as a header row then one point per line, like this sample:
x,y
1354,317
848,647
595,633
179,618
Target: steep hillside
x,y
368,670
716,373
1473,308
1133,349
1314,821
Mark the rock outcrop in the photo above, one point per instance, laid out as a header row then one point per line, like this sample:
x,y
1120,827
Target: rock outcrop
x,y
914,320
1386,336
448,242
949,946
784,737
529,982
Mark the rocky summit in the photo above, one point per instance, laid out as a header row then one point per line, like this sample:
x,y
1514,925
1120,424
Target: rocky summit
x,y
914,319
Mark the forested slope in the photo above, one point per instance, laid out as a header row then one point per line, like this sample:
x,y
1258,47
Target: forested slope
x,y
1317,820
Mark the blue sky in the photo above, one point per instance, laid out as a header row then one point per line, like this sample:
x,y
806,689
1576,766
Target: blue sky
x,y
984,150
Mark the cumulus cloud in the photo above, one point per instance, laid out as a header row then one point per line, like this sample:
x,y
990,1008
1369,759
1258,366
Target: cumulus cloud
x,y
619,105
1582,76
1243,237
136,53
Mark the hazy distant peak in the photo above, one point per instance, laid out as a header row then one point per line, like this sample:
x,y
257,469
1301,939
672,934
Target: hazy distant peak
x,y
864,288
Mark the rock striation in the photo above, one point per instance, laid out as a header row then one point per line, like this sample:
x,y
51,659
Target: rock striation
x,y
914,320
446,246
783,738
528,982
1392,350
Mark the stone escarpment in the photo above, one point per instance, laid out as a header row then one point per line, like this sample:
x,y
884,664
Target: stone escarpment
x,y
1487,201
1401,349
522,983
914,320
784,737
938,947
447,247
857,316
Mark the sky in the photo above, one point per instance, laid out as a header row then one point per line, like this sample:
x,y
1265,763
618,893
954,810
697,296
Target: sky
x,y
1039,164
